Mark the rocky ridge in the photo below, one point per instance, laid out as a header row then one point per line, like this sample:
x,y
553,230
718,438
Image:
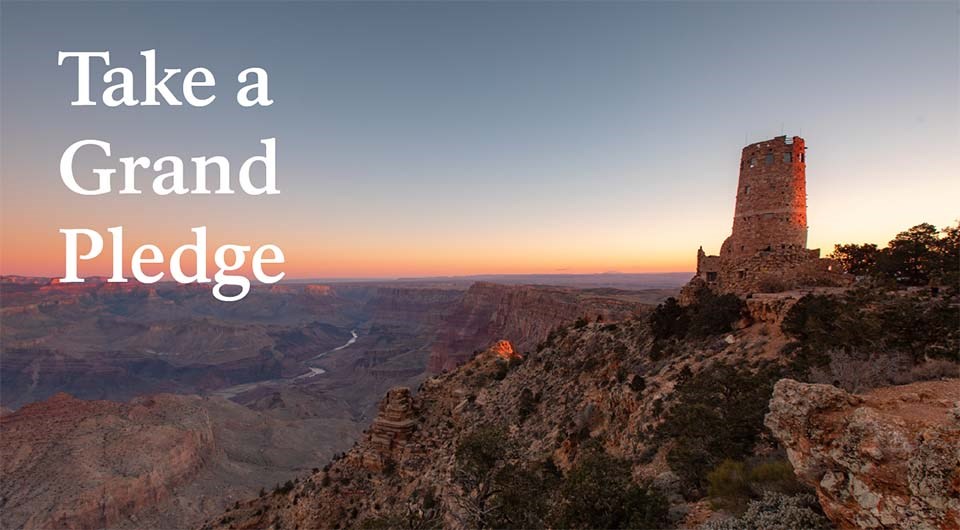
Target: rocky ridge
x,y
594,387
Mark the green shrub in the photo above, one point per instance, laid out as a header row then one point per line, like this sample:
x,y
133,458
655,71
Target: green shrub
x,y
869,320
914,257
481,451
729,487
502,369
775,475
859,260
733,484
526,404
718,415
599,493
669,319
709,314
714,314
523,499
284,489
812,317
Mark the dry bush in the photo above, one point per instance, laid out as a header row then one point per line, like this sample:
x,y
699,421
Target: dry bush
x,y
929,370
858,372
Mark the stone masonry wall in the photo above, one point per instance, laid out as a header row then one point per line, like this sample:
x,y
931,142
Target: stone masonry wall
x,y
767,249
771,206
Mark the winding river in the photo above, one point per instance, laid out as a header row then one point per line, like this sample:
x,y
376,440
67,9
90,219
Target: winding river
x,y
312,371
349,343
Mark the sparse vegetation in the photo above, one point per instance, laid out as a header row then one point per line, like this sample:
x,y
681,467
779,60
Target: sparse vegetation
x,y
504,491
481,454
718,415
733,484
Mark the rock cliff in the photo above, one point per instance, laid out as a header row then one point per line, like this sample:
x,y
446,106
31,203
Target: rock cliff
x,y
523,314
886,459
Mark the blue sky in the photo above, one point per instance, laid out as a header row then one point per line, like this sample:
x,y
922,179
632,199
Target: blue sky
x,y
486,137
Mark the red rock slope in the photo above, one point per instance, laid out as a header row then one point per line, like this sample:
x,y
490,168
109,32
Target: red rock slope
x,y
163,461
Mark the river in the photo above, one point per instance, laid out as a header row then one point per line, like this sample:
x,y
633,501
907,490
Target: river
x,y
312,371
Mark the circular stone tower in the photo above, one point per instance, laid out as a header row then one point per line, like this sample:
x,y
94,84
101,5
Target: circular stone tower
x,y
771,210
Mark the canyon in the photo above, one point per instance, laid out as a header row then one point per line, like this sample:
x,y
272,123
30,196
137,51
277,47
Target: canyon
x,y
359,404
221,400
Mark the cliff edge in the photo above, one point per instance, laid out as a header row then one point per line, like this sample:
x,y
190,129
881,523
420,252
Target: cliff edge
x,y
886,459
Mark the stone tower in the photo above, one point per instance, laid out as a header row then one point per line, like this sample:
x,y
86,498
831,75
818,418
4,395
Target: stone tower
x,y
771,210
767,249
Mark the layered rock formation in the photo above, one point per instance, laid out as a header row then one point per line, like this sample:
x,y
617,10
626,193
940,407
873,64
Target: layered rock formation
x,y
420,306
886,459
523,314
162,461
390,431
75,443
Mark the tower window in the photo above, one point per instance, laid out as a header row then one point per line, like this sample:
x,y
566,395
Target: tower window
x,y
803,157
753,162
711,276
769,159
787,157
746,190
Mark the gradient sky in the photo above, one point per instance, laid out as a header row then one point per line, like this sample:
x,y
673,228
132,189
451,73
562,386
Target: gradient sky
x,y
485,137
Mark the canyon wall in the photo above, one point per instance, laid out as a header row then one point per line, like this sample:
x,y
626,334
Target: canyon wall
x,y
522,314
109,460
161,461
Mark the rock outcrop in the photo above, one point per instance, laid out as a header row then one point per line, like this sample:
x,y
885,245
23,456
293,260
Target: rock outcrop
x,y
770,308
886,459
390,430
504,349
